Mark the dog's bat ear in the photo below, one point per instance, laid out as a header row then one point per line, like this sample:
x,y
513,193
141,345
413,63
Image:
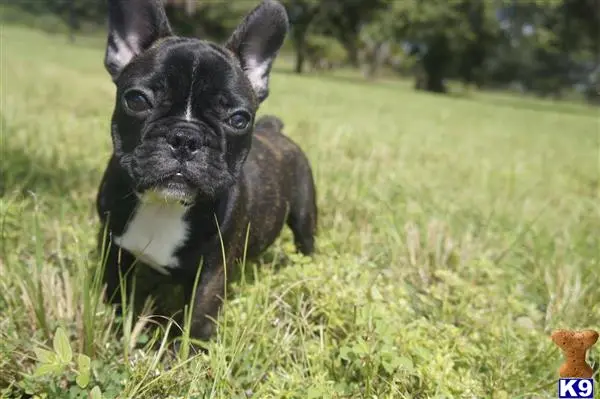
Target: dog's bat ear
x,y
133,26
256,42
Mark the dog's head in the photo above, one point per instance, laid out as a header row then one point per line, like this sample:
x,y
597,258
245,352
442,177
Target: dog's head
x,y
185,107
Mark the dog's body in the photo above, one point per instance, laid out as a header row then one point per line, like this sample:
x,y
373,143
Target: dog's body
x,y
190,183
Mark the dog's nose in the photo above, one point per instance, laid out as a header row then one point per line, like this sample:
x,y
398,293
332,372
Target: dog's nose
x,y
183,144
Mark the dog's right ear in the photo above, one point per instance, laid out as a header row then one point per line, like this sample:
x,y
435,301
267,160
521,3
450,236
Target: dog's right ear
x,y
133,26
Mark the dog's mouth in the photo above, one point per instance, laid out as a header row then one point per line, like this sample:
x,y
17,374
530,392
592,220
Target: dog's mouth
x,y
205,177
174,188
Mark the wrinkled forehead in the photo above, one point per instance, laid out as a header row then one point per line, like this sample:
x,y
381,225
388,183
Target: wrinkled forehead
x,y
181,63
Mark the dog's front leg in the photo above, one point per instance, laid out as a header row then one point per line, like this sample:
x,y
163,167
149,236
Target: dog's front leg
x,y
207,299
117,272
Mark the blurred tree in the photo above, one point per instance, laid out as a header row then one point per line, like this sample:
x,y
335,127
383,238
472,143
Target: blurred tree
x,y
207,19
447,38
482,21
548,47
387,26
301,14
579,37
324,52
69,14
339,19
544,46
344,20
450,36
73,22
77,12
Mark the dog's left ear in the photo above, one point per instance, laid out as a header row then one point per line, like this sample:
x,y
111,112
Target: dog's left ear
x,y
256,42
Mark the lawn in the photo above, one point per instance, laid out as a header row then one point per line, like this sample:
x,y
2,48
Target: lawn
x,y
455,234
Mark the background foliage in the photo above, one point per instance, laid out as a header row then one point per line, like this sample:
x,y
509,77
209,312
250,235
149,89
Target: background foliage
x,y
548,48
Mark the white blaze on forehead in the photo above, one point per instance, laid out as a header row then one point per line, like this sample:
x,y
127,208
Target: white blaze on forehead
x,y
155,232
188,107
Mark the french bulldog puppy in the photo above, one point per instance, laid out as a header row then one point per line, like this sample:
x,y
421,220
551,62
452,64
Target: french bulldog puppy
x,y
194,183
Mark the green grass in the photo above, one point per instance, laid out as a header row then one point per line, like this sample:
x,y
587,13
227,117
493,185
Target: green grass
x,y
455,235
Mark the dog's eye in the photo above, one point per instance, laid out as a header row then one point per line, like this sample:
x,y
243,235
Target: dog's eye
x,y
137,101
239,120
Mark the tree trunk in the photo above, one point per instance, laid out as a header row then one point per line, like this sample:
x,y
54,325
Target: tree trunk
x,y
300,44
352,49
434,64
300,56
435,83
376,56
72,21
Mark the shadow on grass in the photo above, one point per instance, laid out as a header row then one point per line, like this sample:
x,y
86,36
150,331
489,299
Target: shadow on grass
x,y
23,174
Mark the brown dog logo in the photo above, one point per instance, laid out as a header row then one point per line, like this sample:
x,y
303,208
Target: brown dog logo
x,y
574,345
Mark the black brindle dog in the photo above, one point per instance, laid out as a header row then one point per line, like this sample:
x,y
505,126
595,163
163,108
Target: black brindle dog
x,y
190,169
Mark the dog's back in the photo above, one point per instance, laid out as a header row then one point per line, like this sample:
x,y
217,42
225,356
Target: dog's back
x,y
283,174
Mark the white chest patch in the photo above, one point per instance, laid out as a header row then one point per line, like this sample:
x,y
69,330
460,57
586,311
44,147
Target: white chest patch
x,y
154,233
